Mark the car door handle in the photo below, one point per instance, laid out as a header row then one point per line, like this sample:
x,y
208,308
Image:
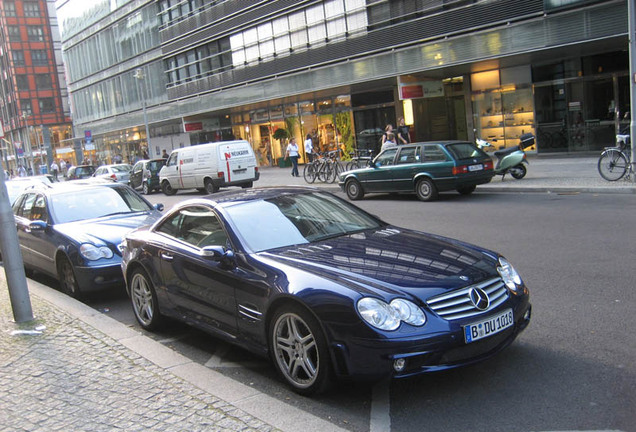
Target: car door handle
x,y
166,256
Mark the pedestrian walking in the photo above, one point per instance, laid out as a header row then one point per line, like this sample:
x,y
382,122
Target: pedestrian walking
x,y
309,148
390,141
54,169
292,154
403,136
387,130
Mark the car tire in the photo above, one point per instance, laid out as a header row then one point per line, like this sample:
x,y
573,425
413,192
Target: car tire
x,y
299,350
145,189
210,187
518,171
466,190
143,299
426,190
167,188
354,189
66,276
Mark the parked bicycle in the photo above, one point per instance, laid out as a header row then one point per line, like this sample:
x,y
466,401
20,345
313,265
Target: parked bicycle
x,y
615,162
359,159
325,168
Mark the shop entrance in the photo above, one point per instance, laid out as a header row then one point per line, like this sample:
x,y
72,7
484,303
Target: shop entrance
x,y
369,127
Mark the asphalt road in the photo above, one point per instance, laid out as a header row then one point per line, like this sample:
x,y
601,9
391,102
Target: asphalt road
x,y
572,369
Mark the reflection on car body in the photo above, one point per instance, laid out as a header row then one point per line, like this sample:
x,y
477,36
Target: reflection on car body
x,y
423,168
323,287
72,231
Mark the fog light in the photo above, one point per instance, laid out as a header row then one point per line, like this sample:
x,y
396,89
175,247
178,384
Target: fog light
x,y
399,364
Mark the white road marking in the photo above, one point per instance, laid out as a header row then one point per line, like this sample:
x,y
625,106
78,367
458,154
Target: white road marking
x,y
380,420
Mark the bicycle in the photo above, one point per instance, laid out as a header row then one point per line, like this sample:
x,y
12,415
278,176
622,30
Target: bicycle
x,y
615,162
325,168
359,160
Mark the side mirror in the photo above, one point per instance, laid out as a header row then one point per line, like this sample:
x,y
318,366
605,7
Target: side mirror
x,y
217,253
38,225
158,207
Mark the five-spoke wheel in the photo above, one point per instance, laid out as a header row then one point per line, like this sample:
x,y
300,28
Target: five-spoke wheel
x,y
144,300
299,350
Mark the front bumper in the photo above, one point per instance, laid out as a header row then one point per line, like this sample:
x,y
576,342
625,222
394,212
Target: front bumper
x,y
374,359
98,278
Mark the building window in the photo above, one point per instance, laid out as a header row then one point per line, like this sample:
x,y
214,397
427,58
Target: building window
x,y
9,9
199,62
22,82
43,81
47,105
35,33
31,9
18,58
14,33
39,58
25,105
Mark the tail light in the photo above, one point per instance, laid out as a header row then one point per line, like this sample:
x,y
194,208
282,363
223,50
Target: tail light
x,y
463,169
219,174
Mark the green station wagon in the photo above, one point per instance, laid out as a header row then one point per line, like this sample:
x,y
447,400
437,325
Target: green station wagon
x,y
424,168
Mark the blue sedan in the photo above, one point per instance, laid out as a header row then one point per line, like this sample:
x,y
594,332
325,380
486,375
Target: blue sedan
x,y
322,287
72,231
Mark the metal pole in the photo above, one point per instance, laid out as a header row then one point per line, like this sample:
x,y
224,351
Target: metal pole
x,y
12,259
631,13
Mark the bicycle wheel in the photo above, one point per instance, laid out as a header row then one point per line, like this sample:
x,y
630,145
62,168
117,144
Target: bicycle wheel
x,y
337,169
326,172
309,173
612,165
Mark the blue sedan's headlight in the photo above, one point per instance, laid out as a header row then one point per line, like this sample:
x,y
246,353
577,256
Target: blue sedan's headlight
x,y
388,316
509,276
92,252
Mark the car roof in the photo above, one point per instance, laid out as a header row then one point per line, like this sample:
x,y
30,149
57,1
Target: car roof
x,y
228,198
75,185
444,143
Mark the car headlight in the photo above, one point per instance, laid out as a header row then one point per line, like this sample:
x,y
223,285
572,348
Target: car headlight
x,y
387,316
509,275
92,252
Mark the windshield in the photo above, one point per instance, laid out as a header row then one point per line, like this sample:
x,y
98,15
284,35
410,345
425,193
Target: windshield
x,y
297,219
155,166
95,203
121,168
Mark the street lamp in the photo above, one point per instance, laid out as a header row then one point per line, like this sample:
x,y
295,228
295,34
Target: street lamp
x,y
139,75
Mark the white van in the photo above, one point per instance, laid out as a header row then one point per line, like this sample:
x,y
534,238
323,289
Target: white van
x,y
207,167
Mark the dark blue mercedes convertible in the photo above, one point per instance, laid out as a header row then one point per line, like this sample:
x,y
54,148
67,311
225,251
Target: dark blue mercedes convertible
x,y
323,287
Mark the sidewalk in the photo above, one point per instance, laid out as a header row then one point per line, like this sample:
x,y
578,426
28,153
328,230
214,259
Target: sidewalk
x,y
549,174
74,368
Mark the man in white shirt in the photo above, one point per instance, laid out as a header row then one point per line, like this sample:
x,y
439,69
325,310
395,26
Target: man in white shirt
x,y
309,148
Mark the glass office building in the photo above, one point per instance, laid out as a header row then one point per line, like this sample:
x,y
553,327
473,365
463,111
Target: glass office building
x,y
148,75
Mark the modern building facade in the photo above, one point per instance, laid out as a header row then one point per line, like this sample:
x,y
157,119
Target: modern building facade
x,y
145,75
34,105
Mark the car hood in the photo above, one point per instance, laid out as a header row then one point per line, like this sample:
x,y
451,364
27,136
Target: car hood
x,y
106,230
394,260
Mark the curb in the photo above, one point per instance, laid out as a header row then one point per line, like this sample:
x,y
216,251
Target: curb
x,y
253,402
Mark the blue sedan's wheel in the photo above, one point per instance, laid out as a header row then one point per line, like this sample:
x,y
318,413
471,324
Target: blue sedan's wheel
x,y
299,350
68,281
426,190
144,300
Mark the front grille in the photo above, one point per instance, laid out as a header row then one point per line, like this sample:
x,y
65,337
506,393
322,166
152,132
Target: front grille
x,y
457,305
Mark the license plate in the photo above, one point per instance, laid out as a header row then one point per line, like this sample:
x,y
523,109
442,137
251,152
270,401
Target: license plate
x,y
489,326
477,167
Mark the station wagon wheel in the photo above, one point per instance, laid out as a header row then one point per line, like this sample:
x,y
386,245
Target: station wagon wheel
x,y
299,350
210,187
466,190
66,275
145,189
518,171
167,188
354,189
426,190
144,300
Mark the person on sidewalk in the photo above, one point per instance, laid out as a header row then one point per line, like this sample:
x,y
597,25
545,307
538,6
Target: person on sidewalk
x,y
54,169
292,154
403,136
389,142
309,148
